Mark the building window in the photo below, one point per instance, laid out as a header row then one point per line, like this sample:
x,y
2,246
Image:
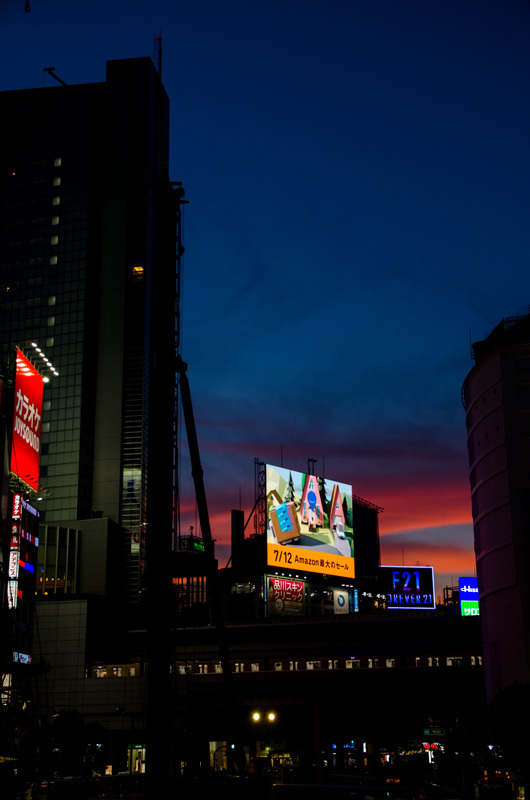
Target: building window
x,y
293,665
57,162
433,661
56,181
56,201
51,300
390,662
418,661
53,260
55,220
254,667
332,663
312,664
203,669
373,663
239,666
278,666
454,661
50,321
218,668
54,240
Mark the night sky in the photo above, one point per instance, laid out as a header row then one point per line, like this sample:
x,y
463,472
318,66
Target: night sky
x,y
358,177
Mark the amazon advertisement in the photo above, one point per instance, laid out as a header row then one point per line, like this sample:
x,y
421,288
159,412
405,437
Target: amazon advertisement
x,y
309,523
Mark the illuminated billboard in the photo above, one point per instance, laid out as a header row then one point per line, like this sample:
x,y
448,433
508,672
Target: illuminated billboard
x,y
309,523
284,596
25,448
407,587
468,594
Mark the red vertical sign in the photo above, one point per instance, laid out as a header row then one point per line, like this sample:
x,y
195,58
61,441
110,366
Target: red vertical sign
x,y
25,450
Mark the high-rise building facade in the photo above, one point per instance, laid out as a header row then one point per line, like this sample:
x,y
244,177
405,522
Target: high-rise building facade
x,y
88,274
496,396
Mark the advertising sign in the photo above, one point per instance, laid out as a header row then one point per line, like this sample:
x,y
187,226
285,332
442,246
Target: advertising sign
x,y
24,542
25,450
341,601
468,593
309,523
285,596
408,587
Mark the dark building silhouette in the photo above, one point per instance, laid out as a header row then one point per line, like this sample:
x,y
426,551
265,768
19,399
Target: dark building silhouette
x,y
496,396
87,273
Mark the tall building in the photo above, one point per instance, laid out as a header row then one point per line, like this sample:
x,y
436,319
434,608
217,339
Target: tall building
x,y
496,396
88,275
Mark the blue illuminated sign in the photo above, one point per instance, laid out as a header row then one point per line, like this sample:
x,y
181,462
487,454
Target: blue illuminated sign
x,y
468,593
407,587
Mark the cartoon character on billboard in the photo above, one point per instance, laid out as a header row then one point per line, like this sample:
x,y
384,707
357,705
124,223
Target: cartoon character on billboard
x,y
311,510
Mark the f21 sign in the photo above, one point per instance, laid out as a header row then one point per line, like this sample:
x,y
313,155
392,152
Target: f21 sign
x,y
407,587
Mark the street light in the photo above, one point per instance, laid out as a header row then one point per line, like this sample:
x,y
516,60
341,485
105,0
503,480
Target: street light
x,y
270,717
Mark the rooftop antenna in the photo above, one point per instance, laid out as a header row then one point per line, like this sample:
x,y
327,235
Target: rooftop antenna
x,y
157,53
51,71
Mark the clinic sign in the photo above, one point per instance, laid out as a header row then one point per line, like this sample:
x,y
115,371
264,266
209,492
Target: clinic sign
x,y
284,596
25,449
468,595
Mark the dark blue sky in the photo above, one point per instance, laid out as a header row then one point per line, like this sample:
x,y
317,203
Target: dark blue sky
x,y
358,174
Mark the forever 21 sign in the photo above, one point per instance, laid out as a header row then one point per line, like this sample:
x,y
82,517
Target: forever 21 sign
x,y
407,587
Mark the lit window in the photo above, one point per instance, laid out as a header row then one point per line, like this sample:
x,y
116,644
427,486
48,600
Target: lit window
x,y
390,662
56,201
54,240
278,666
57,162
50,321
138,271
53,259
56,181
218,668
254,667
55,220
51,300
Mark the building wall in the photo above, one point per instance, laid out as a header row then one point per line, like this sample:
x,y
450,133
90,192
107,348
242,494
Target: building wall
x,y
81,260
497,401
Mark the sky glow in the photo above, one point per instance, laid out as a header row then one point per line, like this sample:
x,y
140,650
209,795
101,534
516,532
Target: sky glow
x,y
358,178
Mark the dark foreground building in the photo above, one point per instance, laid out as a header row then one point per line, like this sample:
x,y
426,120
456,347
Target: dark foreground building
x,y
496,396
